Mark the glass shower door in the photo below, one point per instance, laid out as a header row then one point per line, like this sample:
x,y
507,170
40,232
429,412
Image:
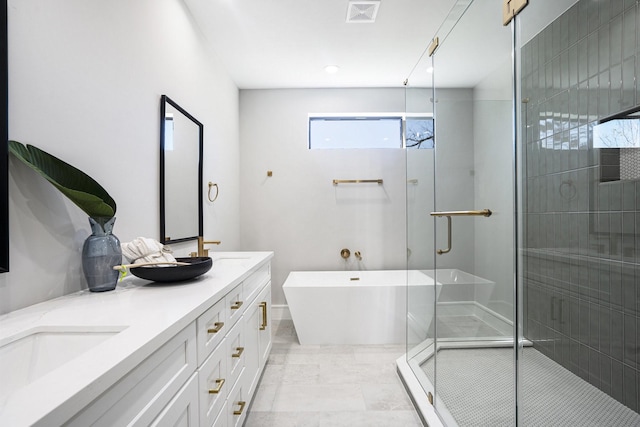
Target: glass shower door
x,y
474,365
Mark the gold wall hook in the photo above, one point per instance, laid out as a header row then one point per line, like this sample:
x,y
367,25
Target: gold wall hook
x,y
211,185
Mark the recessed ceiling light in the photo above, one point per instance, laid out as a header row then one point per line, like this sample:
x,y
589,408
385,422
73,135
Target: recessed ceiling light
x,y
331,69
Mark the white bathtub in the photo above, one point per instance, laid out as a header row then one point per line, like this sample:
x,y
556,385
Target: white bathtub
x,y
356,307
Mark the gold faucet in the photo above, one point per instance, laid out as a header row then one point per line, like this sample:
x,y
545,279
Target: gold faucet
x,y
202,252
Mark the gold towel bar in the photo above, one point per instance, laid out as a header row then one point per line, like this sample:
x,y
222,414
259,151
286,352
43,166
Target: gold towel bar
x,y
356,181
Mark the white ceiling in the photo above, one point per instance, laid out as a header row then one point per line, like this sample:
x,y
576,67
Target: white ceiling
x,y
287,43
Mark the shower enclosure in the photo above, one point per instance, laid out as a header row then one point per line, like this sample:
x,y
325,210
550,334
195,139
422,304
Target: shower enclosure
x,y
529,224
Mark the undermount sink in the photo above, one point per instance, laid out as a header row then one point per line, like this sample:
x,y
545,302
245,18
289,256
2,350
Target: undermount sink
x,y
30,355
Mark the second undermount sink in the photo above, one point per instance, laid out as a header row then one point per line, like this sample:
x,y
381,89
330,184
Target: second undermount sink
x,y
29,356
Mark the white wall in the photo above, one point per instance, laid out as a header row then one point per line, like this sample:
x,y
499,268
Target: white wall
x,y
85,80
298,212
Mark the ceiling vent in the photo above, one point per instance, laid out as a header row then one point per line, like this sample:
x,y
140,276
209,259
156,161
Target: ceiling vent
x,y
362,12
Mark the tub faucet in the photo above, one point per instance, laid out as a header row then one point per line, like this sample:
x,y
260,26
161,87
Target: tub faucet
x,y
201,250
358,255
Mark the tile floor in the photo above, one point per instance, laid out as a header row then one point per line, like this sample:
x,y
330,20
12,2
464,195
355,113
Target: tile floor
x,y
330,386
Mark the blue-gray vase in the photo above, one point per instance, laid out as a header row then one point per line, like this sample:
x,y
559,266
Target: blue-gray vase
x,y
100,252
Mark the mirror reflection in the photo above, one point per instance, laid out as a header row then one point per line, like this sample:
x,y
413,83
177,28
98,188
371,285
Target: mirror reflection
x,y
181,140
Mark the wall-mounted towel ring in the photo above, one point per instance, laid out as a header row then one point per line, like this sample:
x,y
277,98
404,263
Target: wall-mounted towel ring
x,y
211,184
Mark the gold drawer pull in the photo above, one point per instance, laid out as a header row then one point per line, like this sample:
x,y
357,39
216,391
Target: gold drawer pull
x,y
241,405
218,326
237,305
238,353
263,306
220,382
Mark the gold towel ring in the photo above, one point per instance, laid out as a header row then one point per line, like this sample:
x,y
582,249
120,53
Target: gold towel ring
x,y
211,184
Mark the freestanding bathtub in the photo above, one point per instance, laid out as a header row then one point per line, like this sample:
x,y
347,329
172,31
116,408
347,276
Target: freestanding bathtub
x,y
356,307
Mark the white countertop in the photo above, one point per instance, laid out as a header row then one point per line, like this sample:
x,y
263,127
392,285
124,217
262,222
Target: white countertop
x,y
148,313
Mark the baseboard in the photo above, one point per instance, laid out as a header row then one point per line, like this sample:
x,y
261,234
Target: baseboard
x,y
280,312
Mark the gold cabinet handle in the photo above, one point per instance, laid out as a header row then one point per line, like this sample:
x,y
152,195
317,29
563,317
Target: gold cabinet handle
x,y
236,305
263,306
220,382
238,352
216,328
241,405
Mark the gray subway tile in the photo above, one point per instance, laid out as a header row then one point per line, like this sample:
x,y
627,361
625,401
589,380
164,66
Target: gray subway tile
x,y
629,343
629,33
617,374
617,335
605,374
630,385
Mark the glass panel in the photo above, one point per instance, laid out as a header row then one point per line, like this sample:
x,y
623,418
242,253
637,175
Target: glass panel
x,y
580,218
474,171
419,199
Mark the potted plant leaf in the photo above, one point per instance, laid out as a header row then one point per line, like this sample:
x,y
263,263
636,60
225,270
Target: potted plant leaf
x,y
101,250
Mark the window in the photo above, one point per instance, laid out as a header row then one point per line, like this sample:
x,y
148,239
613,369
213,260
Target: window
x,y
370,131
419,132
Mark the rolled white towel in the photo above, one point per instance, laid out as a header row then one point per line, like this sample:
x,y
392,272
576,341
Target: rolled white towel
x,y
144,249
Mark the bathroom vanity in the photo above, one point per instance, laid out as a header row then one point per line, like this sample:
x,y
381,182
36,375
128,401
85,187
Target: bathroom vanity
x,y
187,353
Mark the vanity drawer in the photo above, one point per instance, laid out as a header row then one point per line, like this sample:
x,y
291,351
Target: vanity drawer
x,y
183,408
256,281
211,327
236,356
214,385
139,397
235,304
237,405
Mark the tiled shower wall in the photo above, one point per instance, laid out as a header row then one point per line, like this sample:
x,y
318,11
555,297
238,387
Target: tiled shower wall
x,y
582,227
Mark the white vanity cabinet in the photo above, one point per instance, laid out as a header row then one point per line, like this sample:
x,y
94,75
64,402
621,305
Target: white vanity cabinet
x,y
258,330
187,355
228,375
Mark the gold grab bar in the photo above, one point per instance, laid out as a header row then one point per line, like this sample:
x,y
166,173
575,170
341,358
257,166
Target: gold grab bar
x,y
483,212
356,181
449,214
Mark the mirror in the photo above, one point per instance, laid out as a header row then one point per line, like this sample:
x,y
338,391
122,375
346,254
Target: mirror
x,y
181,148
4,136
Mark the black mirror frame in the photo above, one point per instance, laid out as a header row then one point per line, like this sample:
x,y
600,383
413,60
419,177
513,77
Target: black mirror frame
x,y
4,135
164,100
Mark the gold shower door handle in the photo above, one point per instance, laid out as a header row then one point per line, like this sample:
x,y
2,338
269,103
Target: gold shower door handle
x,y
449,214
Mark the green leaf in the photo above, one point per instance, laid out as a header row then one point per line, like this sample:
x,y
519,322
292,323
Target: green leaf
x,y
79,187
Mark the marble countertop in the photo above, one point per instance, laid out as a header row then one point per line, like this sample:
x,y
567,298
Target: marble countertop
x,y
146,314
